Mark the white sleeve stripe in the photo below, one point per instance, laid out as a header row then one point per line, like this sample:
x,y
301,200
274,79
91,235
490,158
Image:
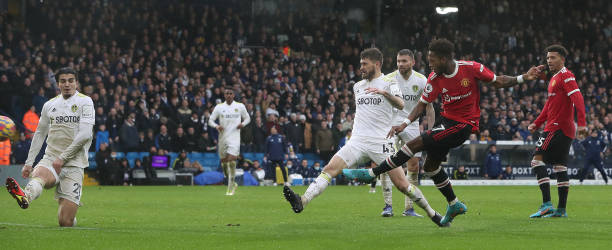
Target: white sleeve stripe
x,y
494,78
569,79
573,91
423,100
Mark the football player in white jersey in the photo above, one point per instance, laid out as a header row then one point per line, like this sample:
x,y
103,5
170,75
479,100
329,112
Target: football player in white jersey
x,y
411,83
375,98
67,122
232,117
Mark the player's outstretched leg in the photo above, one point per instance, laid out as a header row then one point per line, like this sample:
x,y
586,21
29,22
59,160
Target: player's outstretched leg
x,y
544,182
398,159
15,190
412,191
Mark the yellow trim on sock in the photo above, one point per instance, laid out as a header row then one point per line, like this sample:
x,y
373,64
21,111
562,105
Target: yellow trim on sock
x,y
326,176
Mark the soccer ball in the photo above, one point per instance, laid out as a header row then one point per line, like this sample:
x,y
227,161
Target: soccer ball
x,y
7,129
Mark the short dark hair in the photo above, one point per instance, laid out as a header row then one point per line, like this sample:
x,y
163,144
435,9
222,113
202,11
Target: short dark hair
x,y
442,48
373,54
557,48
404,52
66,70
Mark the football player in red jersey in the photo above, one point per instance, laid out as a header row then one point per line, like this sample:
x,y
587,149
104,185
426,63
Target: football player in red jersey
x,y
456,82
554,144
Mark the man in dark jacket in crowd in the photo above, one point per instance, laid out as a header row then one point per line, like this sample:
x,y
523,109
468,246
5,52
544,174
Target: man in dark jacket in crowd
x,y
295,133
128,134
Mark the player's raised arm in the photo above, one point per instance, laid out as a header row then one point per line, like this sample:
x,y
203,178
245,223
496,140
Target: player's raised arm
x,y
39,136
503,81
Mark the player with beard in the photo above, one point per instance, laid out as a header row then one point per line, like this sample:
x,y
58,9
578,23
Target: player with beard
x,y
456,82
375,98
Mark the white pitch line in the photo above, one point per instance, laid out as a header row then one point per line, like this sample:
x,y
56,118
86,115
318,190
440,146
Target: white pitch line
x,y
42,226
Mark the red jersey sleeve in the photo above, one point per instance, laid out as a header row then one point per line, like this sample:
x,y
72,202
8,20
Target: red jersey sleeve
x,y
430,93
570,87
483,73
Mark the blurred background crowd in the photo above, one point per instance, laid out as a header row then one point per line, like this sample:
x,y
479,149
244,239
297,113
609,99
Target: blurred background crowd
x,y
156,69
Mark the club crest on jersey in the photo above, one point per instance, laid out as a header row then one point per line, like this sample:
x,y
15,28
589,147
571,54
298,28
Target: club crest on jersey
x,y
74,108
235,110
552,84
415,88
465,82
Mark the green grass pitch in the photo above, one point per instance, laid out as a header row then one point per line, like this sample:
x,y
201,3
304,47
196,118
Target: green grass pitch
x,y
343,217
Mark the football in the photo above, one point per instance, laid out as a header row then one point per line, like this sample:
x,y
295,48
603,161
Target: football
x,y
7,129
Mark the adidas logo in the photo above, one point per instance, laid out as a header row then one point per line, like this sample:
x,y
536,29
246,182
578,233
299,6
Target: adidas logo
x,y
444,90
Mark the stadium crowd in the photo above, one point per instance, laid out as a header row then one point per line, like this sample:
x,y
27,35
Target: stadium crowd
x,y
155,70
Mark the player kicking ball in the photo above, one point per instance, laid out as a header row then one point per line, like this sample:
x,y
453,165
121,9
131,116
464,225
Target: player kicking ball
x,y
375,98
67,122
456,82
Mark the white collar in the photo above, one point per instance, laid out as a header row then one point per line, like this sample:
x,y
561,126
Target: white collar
x,y
455,72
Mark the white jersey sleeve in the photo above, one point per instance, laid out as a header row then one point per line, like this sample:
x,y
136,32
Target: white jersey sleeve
x,y
39,136
213,117
246,118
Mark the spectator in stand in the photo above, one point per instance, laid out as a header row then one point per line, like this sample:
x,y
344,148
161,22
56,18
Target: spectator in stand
x,y
325,142
493,167
179,141
460,173
163,140
102,136
104,164
206,144
128,132
21,149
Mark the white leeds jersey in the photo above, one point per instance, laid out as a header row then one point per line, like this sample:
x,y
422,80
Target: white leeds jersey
x,y
411,89
229,117
63,116
373,112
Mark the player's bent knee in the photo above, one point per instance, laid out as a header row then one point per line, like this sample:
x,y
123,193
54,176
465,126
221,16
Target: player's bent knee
x,y
334,166
66,222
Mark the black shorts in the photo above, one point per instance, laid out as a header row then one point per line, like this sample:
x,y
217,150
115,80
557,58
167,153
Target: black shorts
x,y
443,136
554,147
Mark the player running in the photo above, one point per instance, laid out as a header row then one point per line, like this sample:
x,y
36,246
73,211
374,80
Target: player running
x,y
411,84
456,82
67,122
232,117
554,144
375,98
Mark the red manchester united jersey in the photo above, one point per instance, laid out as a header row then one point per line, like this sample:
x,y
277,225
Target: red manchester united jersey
x,y
563,96
459,91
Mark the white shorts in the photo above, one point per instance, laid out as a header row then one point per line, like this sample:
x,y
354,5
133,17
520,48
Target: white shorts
x,y
360,150
69,181
226,147
405,136
71,184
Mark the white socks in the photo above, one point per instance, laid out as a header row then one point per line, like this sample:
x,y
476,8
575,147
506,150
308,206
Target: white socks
x,y
387,188
34,188
316,187
417,197
413,178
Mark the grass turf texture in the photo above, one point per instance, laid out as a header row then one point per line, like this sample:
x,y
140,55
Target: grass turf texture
x,y
343,217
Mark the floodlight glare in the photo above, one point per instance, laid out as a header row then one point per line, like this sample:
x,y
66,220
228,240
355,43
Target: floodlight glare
x,y
446,10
